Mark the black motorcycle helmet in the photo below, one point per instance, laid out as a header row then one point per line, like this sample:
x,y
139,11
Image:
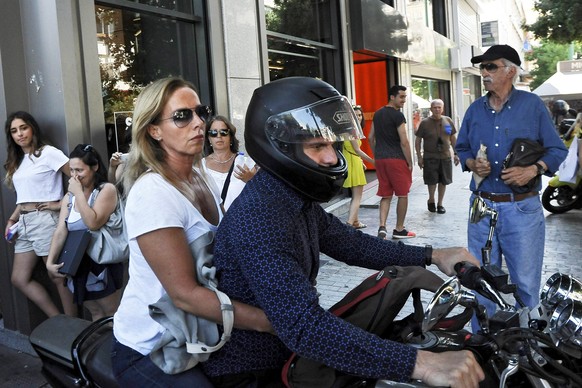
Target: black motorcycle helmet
x,y
560,107
282,115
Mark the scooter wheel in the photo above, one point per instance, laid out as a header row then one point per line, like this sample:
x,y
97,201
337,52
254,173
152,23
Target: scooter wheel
x,y
559,199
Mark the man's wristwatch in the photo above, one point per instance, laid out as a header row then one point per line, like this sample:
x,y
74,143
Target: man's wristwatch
x,y
541,169
427,255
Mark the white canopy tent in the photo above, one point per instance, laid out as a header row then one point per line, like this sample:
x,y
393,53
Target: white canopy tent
x,y
564,85
419,102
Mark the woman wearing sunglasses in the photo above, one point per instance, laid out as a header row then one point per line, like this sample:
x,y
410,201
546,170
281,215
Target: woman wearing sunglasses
x,y
229,169
169,206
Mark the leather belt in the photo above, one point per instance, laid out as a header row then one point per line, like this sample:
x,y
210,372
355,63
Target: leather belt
x,y
27,211
23,211
506,197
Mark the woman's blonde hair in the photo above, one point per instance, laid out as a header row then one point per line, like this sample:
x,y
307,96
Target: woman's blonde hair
x,y
146,154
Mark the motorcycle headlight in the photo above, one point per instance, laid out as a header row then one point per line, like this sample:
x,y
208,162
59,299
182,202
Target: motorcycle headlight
x,y
560,287
566,322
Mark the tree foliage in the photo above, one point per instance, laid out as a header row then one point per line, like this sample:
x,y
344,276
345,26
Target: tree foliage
x,y
546,56
559,21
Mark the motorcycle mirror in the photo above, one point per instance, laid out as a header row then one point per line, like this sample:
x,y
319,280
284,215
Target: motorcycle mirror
x,y
442,302
480,210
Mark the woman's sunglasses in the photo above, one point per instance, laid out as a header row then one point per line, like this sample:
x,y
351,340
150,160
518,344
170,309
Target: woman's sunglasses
x,y
183,117
215,132
490,67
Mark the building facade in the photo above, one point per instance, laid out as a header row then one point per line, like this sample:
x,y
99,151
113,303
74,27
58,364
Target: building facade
x,y
77,66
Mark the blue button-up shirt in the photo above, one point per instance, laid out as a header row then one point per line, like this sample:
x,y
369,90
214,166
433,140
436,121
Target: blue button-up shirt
x,y
524,115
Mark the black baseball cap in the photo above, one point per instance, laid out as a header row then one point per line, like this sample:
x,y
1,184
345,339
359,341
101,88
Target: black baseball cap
x,y
496,52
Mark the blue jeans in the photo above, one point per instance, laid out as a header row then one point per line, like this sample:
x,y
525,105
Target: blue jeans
x,y
133,369
519,237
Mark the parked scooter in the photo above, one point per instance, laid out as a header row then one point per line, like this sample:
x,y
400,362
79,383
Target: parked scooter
x,y
560,197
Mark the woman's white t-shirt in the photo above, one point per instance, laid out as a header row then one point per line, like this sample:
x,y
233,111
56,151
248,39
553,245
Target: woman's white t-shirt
x,y
236,185
39,179
152,204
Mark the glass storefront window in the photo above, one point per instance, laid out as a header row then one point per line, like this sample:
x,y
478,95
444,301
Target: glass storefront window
x,y
303,39
173,5
428,13
136,48
425,90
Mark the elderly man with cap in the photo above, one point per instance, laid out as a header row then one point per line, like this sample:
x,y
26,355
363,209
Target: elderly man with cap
x,y
495,121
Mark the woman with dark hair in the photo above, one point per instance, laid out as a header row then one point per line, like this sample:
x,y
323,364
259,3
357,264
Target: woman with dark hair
x,y
228,168
356,179
89,204
34,170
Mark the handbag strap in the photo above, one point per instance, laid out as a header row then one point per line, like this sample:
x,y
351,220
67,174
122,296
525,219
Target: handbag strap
x,y
227,181
227,310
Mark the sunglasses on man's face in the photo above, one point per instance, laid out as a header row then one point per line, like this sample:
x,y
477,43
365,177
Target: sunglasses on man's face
x,y
183,117
216,132
490,67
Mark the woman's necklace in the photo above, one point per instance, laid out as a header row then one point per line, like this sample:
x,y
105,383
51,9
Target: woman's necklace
x,y
221,161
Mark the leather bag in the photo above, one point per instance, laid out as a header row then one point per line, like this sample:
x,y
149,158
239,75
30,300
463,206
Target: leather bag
x,y
524,152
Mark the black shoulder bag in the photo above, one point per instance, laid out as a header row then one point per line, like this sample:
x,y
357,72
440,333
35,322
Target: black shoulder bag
x,y
524,152
227,182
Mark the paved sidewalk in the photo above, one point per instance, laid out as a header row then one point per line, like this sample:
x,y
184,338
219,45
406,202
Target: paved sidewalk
x,y
562,248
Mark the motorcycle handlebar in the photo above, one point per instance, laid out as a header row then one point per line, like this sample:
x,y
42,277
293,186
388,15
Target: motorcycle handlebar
x,y
471,277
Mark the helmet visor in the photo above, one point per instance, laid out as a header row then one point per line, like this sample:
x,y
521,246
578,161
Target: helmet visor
x,y
332,119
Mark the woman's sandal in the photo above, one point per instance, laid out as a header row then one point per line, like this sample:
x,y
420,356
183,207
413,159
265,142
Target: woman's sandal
x,y
358,225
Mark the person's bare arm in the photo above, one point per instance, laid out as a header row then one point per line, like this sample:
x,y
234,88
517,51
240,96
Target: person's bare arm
x,y
372,139
359,151
94,217
405,144
417,146
168,254
58,241
453,140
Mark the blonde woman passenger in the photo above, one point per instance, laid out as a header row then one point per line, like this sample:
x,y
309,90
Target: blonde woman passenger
x,y
169,205
34,170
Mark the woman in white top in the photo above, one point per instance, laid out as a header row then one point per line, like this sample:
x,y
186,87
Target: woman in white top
x,y
89,204
229,168
34,170
169,205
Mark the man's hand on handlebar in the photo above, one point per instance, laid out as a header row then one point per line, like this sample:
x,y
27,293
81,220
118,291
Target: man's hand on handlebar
x,y
446,258
457,369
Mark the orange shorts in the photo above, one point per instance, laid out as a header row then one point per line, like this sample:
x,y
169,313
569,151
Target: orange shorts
x,y
394,177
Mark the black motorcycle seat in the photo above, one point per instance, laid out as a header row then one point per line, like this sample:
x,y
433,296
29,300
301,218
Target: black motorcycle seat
x,y
77,344
54,338
96,356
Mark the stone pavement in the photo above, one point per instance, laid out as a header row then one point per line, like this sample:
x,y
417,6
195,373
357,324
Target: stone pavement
x,y
562,248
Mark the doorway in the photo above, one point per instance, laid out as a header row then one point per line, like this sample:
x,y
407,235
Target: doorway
x,y
372,78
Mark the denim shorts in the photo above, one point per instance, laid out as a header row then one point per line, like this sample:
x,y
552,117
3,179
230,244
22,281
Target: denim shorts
x,y
35,232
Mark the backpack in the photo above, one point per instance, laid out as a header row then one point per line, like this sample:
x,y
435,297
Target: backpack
x,y
373,305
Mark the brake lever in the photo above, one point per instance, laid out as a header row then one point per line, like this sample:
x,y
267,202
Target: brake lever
x,y
511,369
472,278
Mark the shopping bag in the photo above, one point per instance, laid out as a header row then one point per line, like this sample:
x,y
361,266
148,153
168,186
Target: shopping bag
x,y
569,167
